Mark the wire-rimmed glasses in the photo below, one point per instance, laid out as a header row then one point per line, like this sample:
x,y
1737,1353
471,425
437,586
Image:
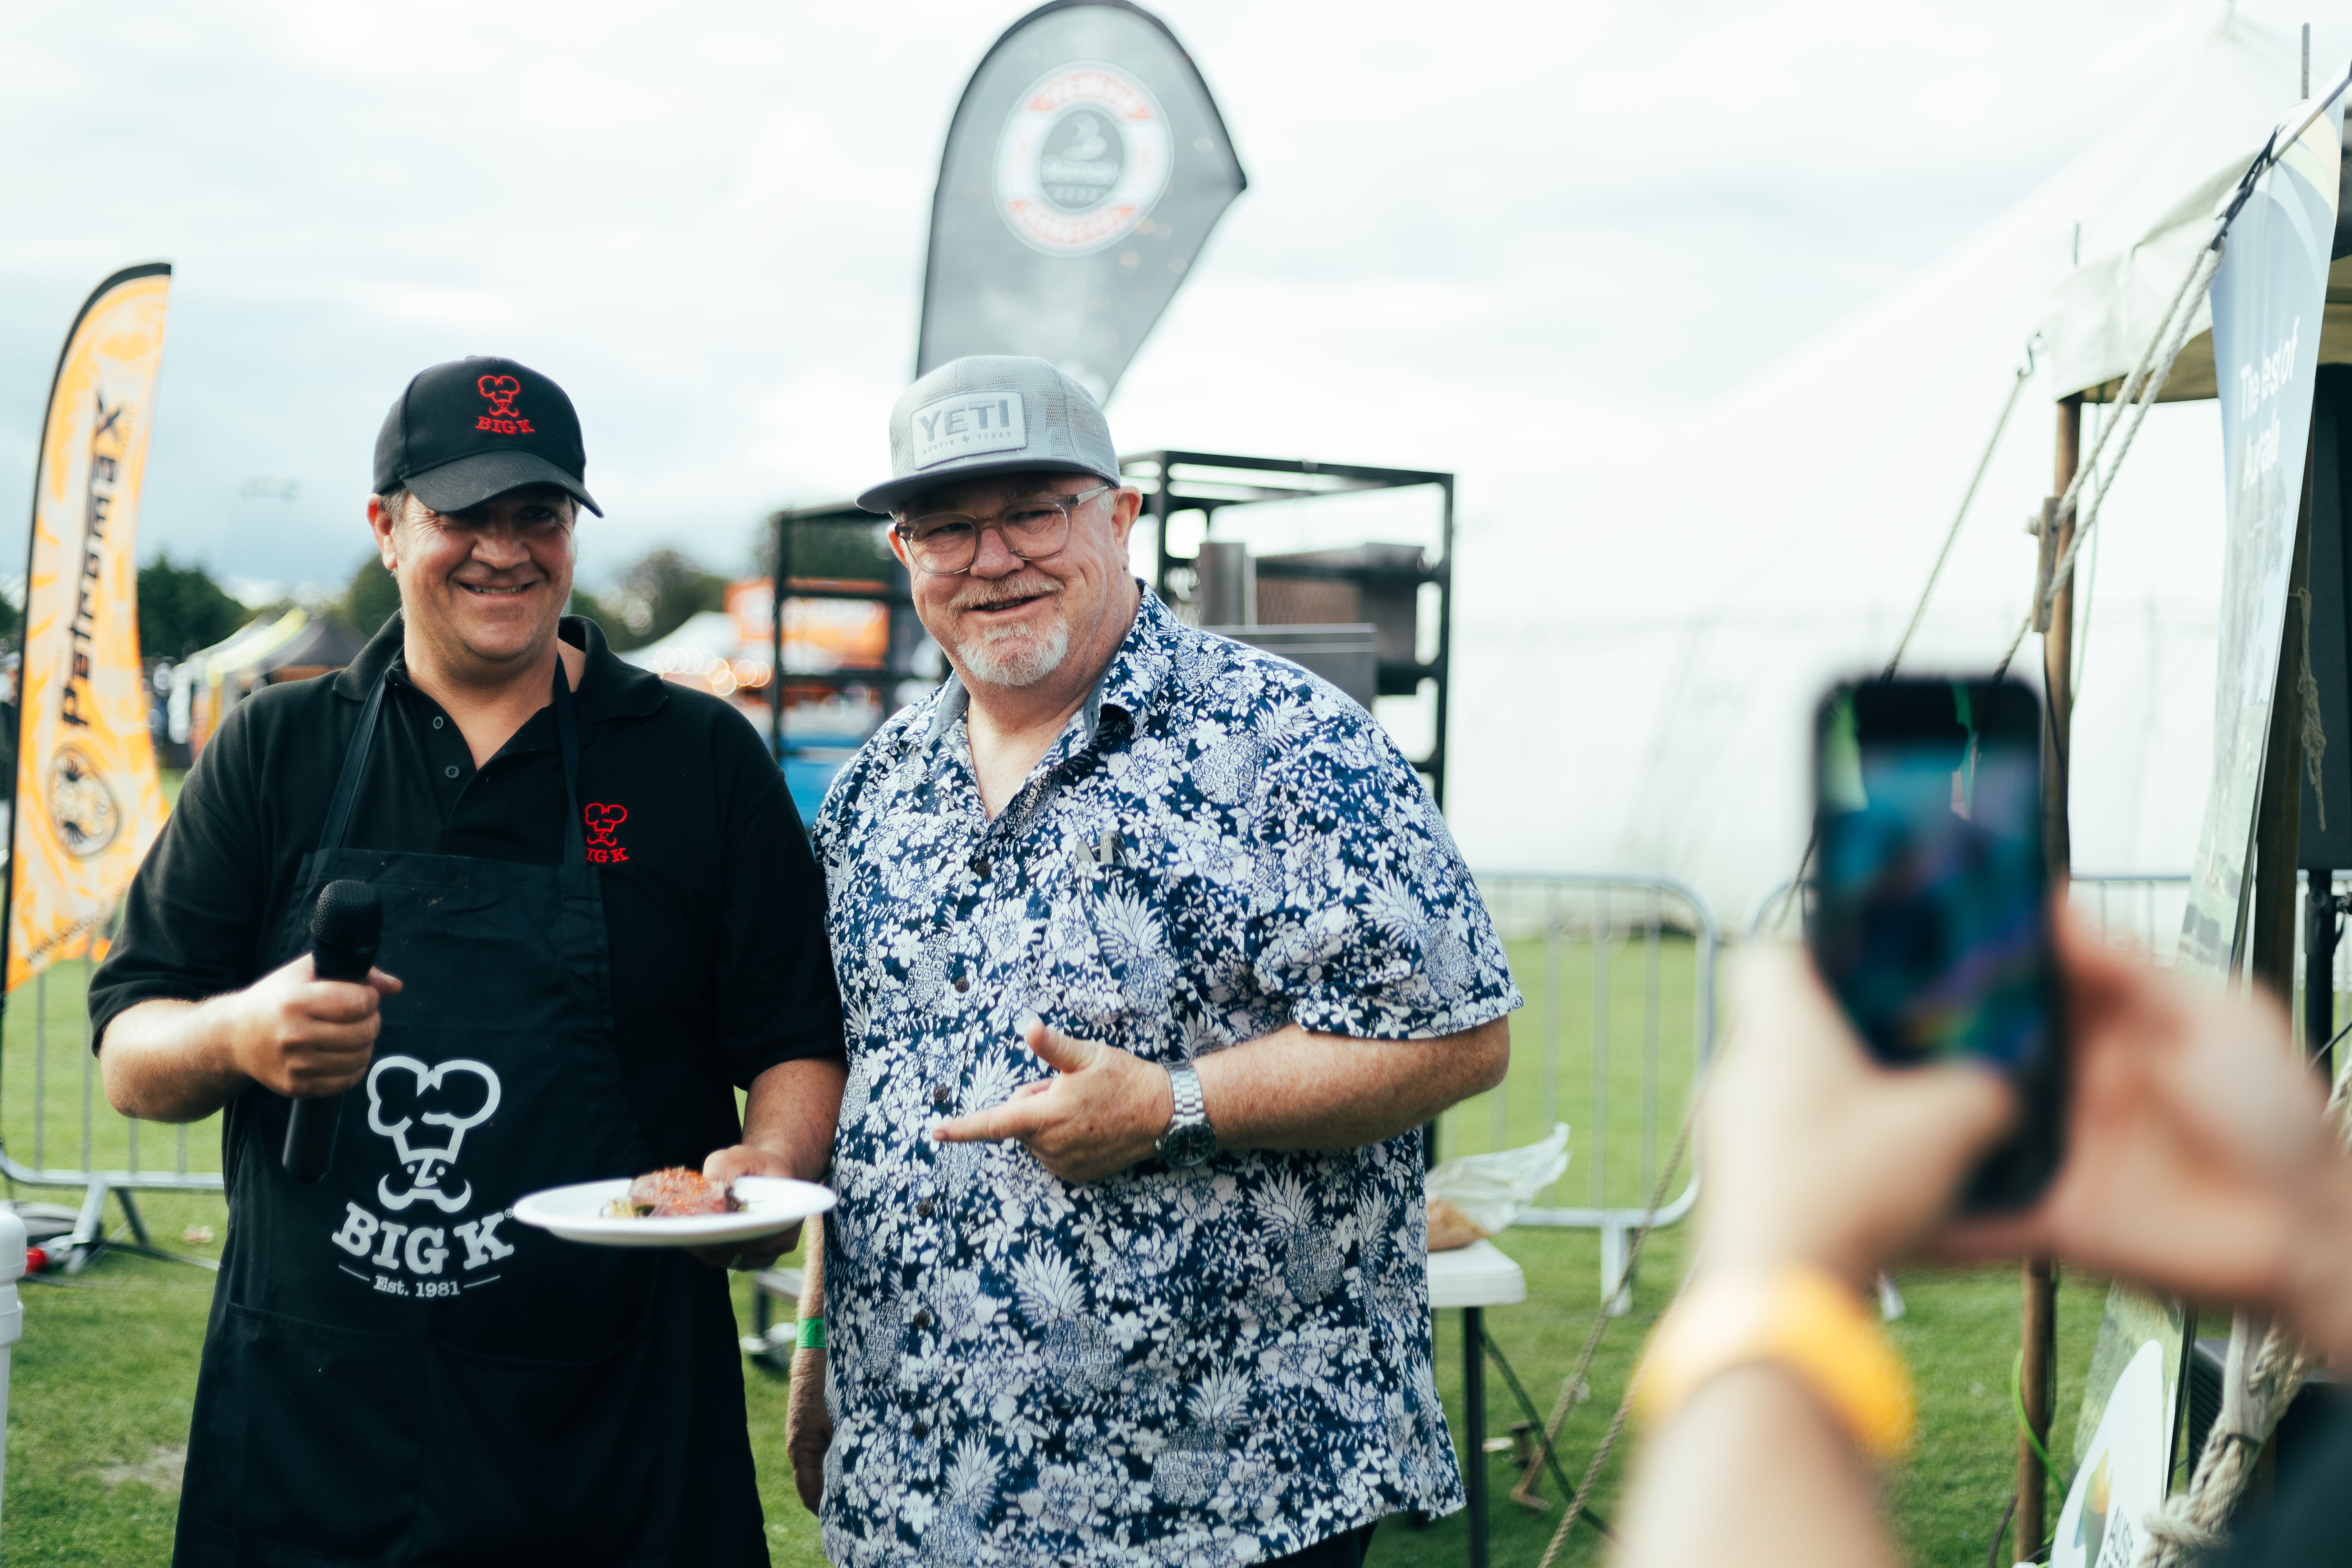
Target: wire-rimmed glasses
x,y
947,542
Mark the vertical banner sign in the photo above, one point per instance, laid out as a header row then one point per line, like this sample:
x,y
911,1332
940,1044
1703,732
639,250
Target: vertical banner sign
x,y
87,802
2268,296
2124,1434
1085,168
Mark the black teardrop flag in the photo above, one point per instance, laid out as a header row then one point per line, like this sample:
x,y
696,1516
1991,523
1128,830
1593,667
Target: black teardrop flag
x,y
1084,169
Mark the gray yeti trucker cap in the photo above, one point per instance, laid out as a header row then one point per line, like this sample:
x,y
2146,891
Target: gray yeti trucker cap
x,y
990,413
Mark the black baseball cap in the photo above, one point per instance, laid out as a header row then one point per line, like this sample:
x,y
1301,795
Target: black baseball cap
x,y
480,426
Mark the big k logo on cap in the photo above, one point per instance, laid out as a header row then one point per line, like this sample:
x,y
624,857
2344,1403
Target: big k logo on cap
x,y
502,392
475,429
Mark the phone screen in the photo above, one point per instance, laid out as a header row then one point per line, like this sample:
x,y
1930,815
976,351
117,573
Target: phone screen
x,y
1931,909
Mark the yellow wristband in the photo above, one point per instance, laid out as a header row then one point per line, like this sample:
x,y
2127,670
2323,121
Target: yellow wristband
x,y
1802,1320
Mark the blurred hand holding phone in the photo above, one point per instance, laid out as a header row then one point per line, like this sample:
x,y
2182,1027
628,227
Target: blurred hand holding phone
x,y
1930,920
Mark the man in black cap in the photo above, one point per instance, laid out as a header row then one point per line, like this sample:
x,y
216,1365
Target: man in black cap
x,y
603,917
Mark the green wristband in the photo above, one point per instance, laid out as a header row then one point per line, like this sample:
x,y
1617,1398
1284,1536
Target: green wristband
x,y
811,1334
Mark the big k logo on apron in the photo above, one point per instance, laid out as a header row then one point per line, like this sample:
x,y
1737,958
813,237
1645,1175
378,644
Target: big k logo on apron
x,y
425,1164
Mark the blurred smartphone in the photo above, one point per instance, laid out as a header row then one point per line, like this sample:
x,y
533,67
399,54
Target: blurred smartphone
x,y
1931,915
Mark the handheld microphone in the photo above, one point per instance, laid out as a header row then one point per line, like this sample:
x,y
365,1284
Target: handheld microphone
x,y
345,927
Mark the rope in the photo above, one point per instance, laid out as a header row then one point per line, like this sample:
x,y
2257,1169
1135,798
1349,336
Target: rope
x,y
1952,534
2315,728
2084,606
2189,1524
2139,391
1592,1471
1575,1509
1574,1386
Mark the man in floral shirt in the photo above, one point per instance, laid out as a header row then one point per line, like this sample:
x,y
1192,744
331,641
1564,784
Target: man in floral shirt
x,y
1156,956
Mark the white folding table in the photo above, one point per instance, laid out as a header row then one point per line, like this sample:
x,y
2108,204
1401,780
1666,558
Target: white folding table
x,y
1473,1278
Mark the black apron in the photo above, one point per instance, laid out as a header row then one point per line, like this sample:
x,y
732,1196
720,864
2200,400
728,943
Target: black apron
x,y
395,1370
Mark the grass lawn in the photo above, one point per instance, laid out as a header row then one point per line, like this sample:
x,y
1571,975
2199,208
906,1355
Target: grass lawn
x,y
105,1377
1960,1335
105,1369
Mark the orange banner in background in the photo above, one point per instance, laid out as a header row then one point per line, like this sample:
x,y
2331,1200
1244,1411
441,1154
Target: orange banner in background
x,y
88,802
819,634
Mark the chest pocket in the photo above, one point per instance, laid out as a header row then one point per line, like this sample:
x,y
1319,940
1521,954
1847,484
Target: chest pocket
x,y
1107,933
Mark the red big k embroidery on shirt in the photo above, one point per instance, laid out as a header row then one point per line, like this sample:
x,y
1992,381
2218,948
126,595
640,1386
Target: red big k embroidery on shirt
x,y
502,390
603,821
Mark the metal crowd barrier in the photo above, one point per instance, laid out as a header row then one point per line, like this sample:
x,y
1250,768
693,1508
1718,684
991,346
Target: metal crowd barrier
x,y
108,1155
2144,908
1619,974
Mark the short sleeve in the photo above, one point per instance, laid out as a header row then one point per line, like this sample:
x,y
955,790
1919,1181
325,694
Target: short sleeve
x,y
1363,917
777,1001
192,923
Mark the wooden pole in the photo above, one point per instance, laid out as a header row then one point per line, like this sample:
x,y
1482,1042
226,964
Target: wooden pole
x,y
2037,1325
2058,662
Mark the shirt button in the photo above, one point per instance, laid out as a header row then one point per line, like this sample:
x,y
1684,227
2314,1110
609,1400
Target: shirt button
x,y
963,982
451,770
923,1208
923,1318
437,722
922,1427
980,866
941,1095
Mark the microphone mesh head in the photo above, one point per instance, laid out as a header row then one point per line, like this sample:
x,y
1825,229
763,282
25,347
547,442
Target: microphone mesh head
x,y
349,915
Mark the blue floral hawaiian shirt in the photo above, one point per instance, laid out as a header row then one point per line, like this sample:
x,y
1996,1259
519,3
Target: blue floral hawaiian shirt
x,y
1205,1366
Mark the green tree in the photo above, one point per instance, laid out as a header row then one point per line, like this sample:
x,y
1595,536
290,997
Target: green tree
x,y
653,598
370,599
181,609
584,603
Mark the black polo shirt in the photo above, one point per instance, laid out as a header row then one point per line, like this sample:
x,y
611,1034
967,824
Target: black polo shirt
x,y
713,903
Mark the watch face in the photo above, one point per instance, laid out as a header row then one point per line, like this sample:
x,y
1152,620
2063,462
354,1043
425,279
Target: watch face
x,y
1191,1145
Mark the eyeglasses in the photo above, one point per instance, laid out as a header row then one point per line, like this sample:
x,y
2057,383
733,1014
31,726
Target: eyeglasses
x,y
947,542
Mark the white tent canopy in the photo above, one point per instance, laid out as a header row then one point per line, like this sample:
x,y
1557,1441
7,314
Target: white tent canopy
x,y
1784,536
2140,242
701,640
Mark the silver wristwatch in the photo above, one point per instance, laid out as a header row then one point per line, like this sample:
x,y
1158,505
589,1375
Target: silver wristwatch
x,y
1190,1140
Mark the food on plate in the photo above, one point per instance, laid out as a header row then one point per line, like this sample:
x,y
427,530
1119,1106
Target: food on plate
x,y
1449,1227
674,1194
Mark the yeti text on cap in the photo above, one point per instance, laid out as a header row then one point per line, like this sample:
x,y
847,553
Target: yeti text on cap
x,y
968,423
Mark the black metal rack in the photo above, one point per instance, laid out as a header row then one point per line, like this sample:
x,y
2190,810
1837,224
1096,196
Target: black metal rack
x,y
1386,582
902,662
1383,582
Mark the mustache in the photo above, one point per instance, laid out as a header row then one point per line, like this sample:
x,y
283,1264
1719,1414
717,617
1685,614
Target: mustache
x,y
981,596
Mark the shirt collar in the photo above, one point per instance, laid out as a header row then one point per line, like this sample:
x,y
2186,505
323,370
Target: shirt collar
x,y
1126,689
609,689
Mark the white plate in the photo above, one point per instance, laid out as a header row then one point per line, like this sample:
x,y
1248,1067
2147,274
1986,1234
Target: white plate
x,y
576,1213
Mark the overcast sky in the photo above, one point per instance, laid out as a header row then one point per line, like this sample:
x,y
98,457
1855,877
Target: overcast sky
x,y
1476,236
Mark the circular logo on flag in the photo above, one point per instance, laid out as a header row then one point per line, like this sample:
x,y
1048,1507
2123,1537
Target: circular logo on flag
x,y
1083,156
81,804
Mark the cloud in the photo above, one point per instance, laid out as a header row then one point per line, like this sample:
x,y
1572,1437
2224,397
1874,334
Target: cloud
x,y
1493,238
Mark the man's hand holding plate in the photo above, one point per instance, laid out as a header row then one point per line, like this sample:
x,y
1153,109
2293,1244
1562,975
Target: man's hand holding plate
x,y
759,1252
